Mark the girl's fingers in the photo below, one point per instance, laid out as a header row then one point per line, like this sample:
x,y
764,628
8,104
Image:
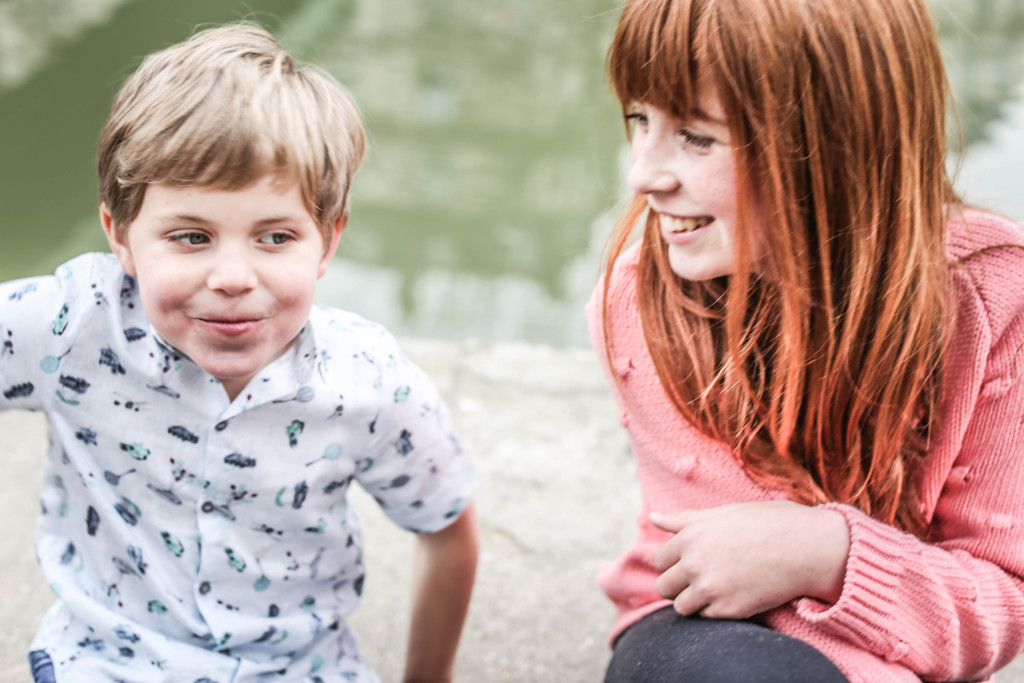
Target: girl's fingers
x,y
689,602
669,523
672,581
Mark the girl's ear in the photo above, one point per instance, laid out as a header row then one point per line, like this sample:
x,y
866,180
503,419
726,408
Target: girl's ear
x,y
116,242
339,225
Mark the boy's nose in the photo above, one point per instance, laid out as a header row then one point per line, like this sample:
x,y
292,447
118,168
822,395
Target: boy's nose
x,y
232,274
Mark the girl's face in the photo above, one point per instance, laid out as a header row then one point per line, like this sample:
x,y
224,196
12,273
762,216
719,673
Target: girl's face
x,y
687,171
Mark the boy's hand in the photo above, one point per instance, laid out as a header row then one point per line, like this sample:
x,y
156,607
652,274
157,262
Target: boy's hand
x,y
738,560
444,567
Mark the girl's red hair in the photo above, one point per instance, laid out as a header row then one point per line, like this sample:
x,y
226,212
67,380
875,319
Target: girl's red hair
x,y
821,364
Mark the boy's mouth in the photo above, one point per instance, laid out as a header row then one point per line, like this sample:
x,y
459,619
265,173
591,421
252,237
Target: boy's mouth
x,y
230,326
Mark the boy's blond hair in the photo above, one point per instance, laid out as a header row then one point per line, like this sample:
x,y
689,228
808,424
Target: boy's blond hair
x,y
221,110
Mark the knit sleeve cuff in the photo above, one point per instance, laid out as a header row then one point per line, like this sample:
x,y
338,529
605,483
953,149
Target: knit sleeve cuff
x,y
874,570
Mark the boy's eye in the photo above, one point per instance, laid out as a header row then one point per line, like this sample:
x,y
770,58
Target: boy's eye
x,y
190,238
276,238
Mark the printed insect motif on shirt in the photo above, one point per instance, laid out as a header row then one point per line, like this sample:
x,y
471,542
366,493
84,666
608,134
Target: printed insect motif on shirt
x,y
172,543
20,390
136,450
98,297
136,554
127,291
75,384
92,521
128,404
269,531
339,409
403,445
239,460
17,294
8,343
167,494
128,510
133,334
236,562
165,390
179,472
182,433
60,323
71,557
109,358
115,479
294,430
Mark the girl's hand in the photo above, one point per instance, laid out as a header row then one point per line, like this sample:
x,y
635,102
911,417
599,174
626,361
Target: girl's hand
x,y
737,560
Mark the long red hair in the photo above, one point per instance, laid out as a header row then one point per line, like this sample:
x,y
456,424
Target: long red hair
x,y
821,364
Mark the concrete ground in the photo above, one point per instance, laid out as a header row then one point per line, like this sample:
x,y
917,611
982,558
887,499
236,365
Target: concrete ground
x,y
556,498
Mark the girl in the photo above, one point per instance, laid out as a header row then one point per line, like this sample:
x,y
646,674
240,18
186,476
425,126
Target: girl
x,y
817,351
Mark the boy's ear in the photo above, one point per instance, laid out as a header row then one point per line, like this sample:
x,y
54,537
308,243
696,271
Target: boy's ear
x,y
119,247
339,225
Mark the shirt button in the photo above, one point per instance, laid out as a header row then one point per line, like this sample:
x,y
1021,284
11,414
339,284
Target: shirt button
x,y
221,426
208,506
204,588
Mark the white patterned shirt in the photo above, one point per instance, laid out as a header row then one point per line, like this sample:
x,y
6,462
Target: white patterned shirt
x,y
193,538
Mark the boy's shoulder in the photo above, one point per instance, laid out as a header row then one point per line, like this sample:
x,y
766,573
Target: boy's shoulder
x,y
80,288
345,328
345,346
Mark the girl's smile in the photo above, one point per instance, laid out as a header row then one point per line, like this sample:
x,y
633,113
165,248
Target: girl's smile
x,y
675,227
688,173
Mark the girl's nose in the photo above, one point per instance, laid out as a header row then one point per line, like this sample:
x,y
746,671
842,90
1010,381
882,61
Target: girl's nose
x,y
232,274
650,170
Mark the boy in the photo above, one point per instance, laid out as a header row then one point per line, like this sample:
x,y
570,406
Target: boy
x,y
206,418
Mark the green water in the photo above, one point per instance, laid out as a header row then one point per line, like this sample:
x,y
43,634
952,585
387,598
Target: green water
x,y
494,173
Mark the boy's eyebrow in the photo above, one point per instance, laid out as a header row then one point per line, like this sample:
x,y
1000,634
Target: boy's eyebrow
x,y
192,218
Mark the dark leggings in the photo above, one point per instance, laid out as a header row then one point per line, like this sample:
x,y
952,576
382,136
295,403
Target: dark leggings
x,y
664,647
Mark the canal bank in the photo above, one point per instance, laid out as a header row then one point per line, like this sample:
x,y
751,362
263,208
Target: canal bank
x,y
556,498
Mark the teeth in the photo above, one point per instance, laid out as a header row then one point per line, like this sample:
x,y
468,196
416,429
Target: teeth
x,y
686,224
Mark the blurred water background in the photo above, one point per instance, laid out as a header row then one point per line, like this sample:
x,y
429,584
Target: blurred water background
x,y
495,172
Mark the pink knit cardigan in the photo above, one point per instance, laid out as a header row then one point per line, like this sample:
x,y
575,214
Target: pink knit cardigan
x,y
949,610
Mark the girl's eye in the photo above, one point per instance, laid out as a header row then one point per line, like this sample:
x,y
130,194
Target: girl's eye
x,y
635,119
191,239
698,141
276,238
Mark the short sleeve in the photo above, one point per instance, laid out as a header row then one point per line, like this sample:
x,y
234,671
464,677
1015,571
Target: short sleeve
x,y
35,333
416,470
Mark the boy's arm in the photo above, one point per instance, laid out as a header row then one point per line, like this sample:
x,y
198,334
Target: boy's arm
x,y
444,566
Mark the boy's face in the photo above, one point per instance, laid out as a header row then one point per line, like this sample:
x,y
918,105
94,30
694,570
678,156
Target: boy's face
x,y
226,277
